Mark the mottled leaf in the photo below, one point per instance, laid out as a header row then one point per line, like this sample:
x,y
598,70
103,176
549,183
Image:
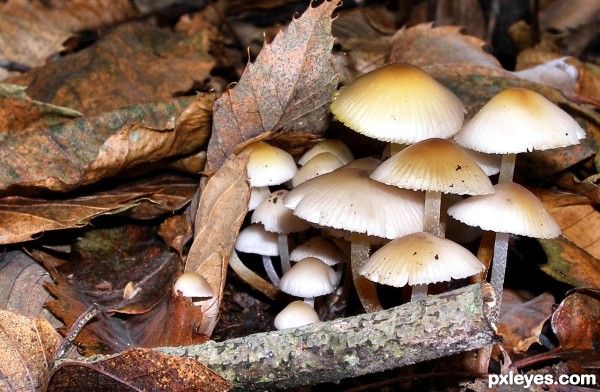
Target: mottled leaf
x,y
82,151
221,210
288,87
576,321
22,289
571,264
25,219
132,64
137,370
521,321
27,349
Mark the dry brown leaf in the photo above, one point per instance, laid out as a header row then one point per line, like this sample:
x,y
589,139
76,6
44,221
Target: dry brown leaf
x,y
27,349
137,370
22,289
132,64
288,87
521,321
571,264
221,210
24,219
575,321
78,152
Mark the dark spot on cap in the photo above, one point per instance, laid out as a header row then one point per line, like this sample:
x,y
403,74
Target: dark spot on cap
x,y
458,167
436,257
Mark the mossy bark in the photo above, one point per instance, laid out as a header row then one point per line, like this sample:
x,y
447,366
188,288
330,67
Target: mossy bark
x,y
440,325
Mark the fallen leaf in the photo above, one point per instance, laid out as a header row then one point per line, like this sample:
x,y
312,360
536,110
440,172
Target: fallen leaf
x,y
521,321
571,264
22,289
288,87
221,210
82,151
132,64
24,219
137,370
576,321
27,349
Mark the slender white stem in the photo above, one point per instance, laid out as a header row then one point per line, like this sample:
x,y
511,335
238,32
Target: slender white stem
x,y
310,301
270,270
431,218
284,252
419,292
507,168
499,266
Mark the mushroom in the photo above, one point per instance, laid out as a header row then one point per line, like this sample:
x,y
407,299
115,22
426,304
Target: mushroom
x,y
510,209
322,249
420,259
435,166
398,103
194,286
269,165
277,218
309,278
296,314
256,240
322,163
332,146
348,199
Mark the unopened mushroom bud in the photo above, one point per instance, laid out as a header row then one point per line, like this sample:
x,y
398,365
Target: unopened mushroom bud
x,y
194,286
296,314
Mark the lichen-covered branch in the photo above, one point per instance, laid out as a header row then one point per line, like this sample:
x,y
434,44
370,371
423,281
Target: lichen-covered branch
x,y
440,325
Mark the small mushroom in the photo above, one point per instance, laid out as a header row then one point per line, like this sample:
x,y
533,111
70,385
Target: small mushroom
x,y
194,286
309,278
296,314
256,240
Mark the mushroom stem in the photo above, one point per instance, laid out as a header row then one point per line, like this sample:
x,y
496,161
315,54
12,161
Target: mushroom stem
x,y
366,290
431,218
251,277
419,292
270,270
499,268
310,301
284,252
507,168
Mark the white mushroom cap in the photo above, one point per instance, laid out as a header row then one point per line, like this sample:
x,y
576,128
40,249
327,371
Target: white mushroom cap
x,y
489,163
348,199
257,194
332,146
308,278
434,165
519,120
255,239
322,163
269,165
510,209
193,285
276,217
420,258
320,248
296,314
398,103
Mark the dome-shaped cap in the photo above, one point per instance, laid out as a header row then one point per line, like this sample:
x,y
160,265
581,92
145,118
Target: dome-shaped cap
x,y
255,239
308,278
296,314
348,199
510,209
320,248
269,165
434,165
420,258
519,120
276,217
193,285
332,146
398,103
319,164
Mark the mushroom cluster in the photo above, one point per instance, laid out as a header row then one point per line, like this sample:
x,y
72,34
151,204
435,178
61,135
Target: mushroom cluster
x,y
394,205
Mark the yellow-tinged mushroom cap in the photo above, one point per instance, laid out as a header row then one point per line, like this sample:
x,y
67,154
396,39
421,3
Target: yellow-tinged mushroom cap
x,y
398,103
519,120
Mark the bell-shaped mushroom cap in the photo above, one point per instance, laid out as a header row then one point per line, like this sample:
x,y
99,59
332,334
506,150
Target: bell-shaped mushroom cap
x,y
255,239
322,163
510,209
434,165
489,163
296,314
348,199
269,165
309,278
276,217
398,103
420,258
257,195
320,248
519,120
193,285
332,146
